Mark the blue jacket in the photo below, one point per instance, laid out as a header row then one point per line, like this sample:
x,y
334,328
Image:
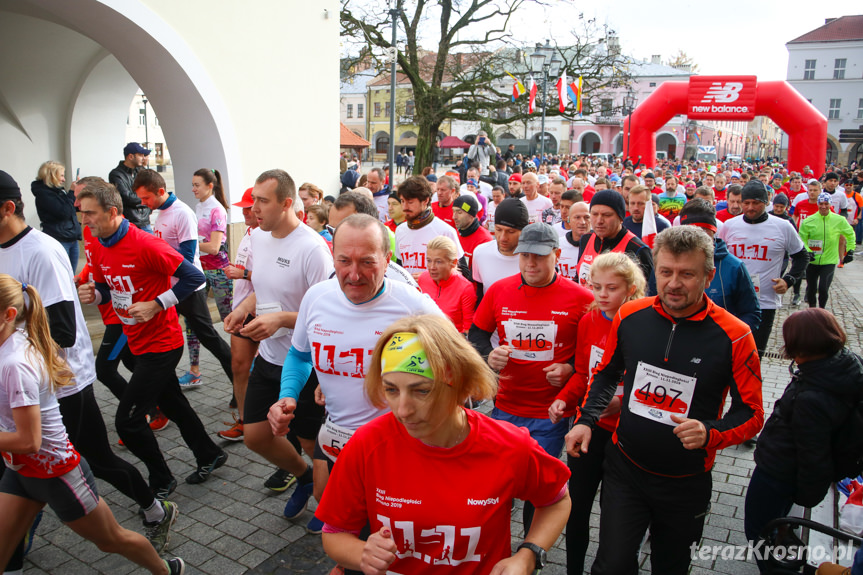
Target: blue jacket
x,y
732,288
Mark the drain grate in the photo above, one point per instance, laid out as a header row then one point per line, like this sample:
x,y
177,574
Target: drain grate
x,y
773,355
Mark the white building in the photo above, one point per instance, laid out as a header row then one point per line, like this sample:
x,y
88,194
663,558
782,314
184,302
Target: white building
x,y
142,126
353,95
826,67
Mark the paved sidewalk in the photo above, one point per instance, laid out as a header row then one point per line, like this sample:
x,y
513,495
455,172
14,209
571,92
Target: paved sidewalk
x,y
232,524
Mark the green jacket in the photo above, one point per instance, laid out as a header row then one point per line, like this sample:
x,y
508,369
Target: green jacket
x,y
820,235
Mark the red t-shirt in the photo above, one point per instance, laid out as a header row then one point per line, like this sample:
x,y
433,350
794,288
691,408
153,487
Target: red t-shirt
x,y
444,213
448,509
139,268
721,195
391,224
805,209
723,215
456,297
587,194
593,330
91,245
541,325
470,243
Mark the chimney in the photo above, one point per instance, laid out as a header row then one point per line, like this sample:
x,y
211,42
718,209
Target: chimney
x,y
656,59
613,43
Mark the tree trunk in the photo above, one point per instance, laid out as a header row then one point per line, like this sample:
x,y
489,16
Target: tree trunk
x,y
426,144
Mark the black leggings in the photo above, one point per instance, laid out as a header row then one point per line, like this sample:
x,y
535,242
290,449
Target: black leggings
x,y
586,475
818,278
111,352
87,432
16,562
194,309
154,382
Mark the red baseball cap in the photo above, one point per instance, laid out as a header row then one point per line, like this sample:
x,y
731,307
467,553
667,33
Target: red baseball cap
x,y
247,200
515,178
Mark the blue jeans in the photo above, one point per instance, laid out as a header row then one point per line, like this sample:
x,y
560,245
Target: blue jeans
x,y
550,436
72,251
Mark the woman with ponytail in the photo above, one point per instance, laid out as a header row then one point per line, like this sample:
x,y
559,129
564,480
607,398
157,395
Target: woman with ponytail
x,y
212,212
42,466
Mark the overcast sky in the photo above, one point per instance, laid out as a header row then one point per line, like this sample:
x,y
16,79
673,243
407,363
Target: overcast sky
x,y
721,37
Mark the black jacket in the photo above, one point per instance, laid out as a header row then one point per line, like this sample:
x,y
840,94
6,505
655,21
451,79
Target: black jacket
x,y
56,210
636,248
122,178
796,443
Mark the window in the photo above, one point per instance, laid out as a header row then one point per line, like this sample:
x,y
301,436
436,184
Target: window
x,y
409,108
833,112
155,120
360,110
839,69
860,109
377,109
142,116
653,84
809,70
350,113
383,144
387,110
606,104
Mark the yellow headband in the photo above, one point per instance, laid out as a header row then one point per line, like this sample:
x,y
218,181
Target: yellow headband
x,y
404,352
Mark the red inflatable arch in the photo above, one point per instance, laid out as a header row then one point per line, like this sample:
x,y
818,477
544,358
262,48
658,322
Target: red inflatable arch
x,y
731,98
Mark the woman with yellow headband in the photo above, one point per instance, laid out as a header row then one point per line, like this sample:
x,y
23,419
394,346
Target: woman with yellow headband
x,y
434,481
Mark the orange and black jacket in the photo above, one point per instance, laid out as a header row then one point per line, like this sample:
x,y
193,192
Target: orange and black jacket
x,y
712,346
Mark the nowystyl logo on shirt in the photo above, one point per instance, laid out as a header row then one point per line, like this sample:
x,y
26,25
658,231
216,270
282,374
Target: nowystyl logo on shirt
x,y
441,545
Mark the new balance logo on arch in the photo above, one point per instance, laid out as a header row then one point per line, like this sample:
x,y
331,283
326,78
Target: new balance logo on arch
x,y
719,92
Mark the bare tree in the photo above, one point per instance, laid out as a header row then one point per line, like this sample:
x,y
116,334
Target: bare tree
x,y
465,78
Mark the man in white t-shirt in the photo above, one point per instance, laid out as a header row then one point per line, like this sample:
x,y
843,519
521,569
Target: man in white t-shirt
x,y
761,240
484,187
335,334
420,225
177,225
579,222
535,203
286,259
838,199
496,260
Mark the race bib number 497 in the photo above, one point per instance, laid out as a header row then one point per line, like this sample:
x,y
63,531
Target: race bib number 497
x,y
657,394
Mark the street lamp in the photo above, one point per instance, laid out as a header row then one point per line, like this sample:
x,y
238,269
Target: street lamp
x,y
146,127
544,61
395,10
629,102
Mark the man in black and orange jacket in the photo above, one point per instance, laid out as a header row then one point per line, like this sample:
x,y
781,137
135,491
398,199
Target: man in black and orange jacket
x,y
679,355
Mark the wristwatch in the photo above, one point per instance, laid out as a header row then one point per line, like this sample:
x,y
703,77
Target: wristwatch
x,y
538,552
245,274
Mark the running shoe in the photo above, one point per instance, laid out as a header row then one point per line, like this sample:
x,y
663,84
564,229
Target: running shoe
x,y
31,533
162,492
176,566
190,379
159,422
234,431
279,481
338,570
159,532
299,500
796,299
204,471
315,526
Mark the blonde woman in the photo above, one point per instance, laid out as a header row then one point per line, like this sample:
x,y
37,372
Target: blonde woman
x,y
451,291
56,208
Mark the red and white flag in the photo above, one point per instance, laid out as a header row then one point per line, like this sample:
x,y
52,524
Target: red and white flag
x,y
561,92
648,225
531,90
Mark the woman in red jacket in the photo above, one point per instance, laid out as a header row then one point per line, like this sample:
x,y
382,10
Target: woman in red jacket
x,y
616,279
451,291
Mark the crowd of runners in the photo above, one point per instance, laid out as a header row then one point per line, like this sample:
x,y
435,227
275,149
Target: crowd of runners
x,y
606,310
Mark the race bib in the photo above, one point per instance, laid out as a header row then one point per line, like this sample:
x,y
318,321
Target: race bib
x,y
584,276
241,260
121,301
531,340
332,439
263,308
596,353
756,282
816,246
657,394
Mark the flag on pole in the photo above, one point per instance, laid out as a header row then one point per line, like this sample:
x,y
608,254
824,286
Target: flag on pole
x,y
580,106
517,87
532,96
561,91
572,92
648,226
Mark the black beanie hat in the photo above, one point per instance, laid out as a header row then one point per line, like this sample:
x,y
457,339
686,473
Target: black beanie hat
x,y
9,189
513,213
755,190
612,199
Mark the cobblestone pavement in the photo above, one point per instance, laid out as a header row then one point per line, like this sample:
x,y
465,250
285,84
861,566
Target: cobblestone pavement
x,y
232,524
